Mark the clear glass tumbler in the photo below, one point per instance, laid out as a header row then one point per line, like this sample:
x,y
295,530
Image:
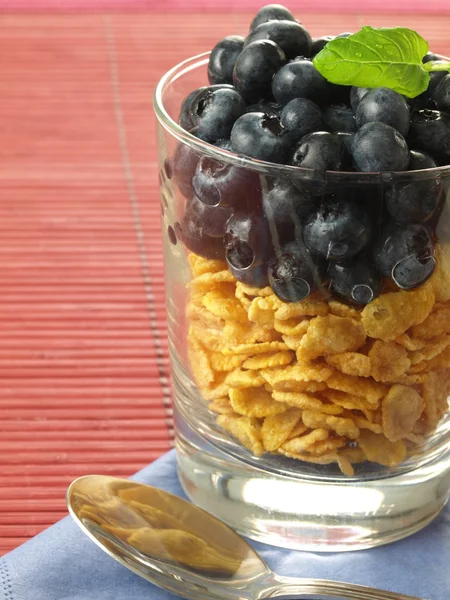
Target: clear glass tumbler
x,y
321,424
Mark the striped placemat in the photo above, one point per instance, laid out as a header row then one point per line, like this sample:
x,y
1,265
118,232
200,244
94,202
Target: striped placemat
x,y
84,370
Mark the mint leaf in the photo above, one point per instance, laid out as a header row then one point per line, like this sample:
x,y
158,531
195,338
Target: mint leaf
x,y
385,57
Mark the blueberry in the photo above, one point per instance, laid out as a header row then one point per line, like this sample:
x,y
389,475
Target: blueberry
x,y
356,95
255,67
430,131
321,151
285,206
216,112
223,58
293,274
290,36
222,184
254,276
271,12
441,94
247,241
415,201
429,56
425,99
338,230
189,111
272,109
299,117
380,147
346,140
346,34
193,236
300,79
184,164
208,220
339,118
319,44
261,136
355,280
185,119
385,105
405,254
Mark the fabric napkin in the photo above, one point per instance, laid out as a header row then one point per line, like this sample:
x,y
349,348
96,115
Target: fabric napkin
x,y
63,564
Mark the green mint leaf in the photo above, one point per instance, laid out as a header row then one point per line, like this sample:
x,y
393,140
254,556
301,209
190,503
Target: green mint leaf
x,y
385,57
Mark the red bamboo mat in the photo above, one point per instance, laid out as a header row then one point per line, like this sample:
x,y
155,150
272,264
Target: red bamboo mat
x,y
83,350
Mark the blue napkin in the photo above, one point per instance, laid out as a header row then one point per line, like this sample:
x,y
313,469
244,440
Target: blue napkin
x,y
63,564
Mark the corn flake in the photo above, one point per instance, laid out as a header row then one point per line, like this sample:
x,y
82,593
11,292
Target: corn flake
x,y
244,429
221,305
264,361
305,308
391,314
344,310
292,327
435,394
351,363
372,391
299,429
244,379
262,310
433,348
299,400
200,265
291,375
201,369
389,361
409,342
221,406
292,341
249,290
349,402
324,459
277,429
436,324
344,427
330,335
254,349
325,446
255,402
302,443
401,409
221,363
379,449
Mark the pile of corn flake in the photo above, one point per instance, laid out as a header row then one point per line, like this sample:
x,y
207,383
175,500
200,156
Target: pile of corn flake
x,y
319,380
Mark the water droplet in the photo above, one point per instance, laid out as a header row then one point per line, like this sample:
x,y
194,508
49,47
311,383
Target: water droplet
x,y
379,46
358,54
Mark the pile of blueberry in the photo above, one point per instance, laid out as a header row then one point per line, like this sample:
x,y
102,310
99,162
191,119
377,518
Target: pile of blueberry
x,y
267,101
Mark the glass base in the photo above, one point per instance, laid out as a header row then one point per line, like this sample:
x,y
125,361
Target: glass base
x,y
305,514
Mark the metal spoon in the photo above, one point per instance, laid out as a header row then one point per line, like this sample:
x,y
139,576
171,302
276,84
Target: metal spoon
x,y
183,549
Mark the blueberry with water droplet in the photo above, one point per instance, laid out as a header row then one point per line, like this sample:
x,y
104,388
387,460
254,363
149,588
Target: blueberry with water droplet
x,y
415,201
223,58
301,116
290,36
247,240
430,131
319,150
405,254
293,274
385,105
379,147
300,79
254,276
255,67
261,136
210,221
216,111
196,240
338,230
355,280
286,206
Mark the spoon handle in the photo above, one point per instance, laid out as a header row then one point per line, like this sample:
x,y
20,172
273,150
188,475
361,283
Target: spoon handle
x,y
322,589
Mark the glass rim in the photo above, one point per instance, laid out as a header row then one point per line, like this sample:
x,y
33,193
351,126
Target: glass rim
x,y
205,148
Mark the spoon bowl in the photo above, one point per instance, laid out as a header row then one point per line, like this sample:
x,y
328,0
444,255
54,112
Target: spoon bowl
x,y
181,548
